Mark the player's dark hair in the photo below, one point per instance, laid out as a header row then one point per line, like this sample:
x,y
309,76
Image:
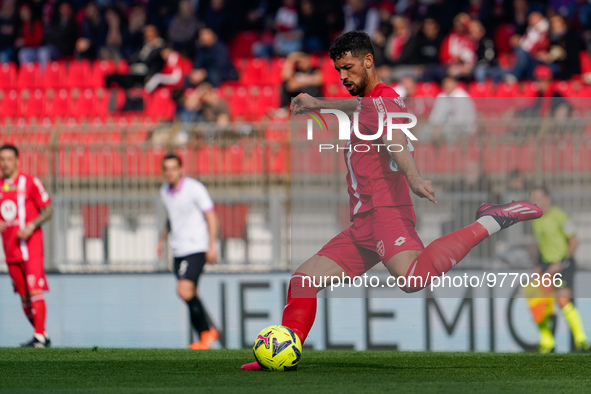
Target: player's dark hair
x,y
356,42
172,156
9,147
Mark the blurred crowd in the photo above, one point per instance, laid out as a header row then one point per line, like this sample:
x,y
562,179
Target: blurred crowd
x,y
425,38
185,43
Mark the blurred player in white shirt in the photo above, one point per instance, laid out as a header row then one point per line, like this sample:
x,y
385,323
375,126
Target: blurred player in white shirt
x,y
191,228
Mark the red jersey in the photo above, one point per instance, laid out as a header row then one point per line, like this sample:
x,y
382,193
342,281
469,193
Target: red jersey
x,y
373,178
457,48
20,202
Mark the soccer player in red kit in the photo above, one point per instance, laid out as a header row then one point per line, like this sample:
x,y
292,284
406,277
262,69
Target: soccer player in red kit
x,y
379,184
24,207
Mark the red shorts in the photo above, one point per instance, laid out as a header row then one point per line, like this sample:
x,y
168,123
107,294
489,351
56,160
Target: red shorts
x,y
374,236
28,276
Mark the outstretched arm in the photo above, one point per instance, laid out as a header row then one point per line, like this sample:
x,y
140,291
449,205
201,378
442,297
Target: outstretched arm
x,y
303,102
406,164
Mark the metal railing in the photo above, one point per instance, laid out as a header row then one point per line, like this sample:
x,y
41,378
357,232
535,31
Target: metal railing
x,y
104,180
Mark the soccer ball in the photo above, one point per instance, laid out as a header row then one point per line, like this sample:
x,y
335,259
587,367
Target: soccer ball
x,y
277,348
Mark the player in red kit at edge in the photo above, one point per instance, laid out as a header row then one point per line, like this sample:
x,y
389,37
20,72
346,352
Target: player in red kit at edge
x,y
24,207
379,184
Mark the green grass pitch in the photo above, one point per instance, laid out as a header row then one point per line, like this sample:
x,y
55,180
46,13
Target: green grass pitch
x,y
218,371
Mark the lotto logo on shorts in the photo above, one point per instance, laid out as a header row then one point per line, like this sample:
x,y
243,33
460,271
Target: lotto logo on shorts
x,y
400,241
380,248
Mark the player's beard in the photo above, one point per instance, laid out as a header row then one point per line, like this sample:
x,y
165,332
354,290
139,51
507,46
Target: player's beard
x,y
360,87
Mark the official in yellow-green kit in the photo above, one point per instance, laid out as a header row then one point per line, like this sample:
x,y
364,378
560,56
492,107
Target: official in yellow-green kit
x,y
557,242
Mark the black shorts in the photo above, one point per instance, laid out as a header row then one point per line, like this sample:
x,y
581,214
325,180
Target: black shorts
x,y
568,272
189,267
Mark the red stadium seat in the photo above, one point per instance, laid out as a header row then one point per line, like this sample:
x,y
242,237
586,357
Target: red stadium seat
x,y
28,76
161,105
233,157
507,90
10,103
208,160
34,161
100,69
232,219
239,103
58,104
585,59
277,130
84,104
262,100
427,89
32,103
255,72
8,75
143,162
481,89
529,89
329,74
276,69
241,46
279,159
78,74
54,75
253,159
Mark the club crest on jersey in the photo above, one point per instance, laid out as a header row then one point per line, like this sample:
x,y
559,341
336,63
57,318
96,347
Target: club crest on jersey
x,y
380,248
8,210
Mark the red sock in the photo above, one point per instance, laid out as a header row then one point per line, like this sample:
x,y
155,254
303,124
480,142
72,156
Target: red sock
x,y
28,311
39,312
300,308
442,254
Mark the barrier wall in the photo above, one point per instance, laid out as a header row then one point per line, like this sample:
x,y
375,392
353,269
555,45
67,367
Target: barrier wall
x,y
142,310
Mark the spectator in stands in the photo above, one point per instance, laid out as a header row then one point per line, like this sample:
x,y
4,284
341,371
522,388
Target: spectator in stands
x,y
203,104
145,63
183,28
313,26
114,38
360,17
519,15
300,76
400,49
60,39
171,74
565,45
94,33
7,30
549,101
217,18
530,48
289,37
485,50
380,38
453,115
31,31
429,41
133,37
212,62
458,50
407,87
